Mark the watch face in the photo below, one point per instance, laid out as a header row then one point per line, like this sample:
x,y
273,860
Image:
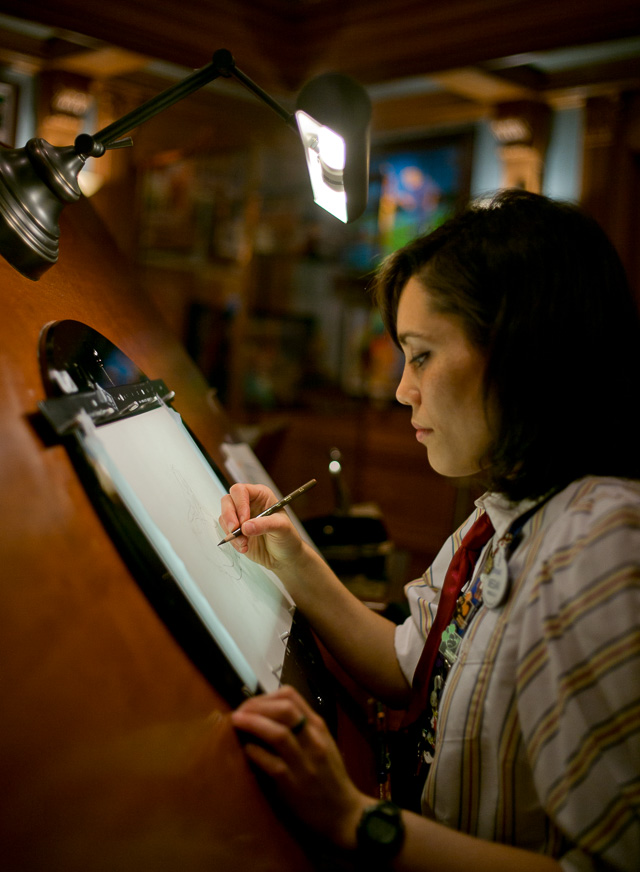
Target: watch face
x,y
382,829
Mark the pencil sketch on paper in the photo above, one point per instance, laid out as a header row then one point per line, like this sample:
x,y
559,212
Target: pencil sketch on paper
x,y
178,500
207,530
253,588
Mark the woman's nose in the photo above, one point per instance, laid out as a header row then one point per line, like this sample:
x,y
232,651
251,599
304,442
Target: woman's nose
x,y
406,393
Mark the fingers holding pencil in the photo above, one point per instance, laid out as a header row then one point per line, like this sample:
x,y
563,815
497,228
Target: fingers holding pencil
x,y
254,523
237,507
272,509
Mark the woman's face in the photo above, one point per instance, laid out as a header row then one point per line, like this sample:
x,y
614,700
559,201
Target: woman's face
x,y
442,381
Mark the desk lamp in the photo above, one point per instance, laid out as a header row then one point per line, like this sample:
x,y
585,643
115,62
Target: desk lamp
x,y
332,116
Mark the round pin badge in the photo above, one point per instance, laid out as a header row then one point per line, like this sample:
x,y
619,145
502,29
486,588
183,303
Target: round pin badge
x,y
495,584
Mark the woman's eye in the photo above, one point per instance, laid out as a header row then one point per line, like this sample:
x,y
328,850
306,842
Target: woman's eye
x,y
419,360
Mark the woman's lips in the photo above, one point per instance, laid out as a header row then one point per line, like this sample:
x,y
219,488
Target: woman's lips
x,y
422,432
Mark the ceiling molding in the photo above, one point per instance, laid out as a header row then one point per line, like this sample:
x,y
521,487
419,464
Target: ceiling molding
x,y
444,62
281,44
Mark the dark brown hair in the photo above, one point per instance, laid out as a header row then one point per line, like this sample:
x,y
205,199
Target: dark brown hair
x,y
540,289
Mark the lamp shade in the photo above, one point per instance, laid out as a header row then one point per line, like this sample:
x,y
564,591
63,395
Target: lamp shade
x,y
333,113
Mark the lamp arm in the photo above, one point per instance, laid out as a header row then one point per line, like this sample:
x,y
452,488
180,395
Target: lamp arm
x,y
222,64
288,117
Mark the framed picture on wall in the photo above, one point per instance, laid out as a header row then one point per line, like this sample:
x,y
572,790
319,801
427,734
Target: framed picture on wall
x,y
414,186
8,99
195,206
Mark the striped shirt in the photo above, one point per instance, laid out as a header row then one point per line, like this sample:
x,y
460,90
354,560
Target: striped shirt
x,y
538,741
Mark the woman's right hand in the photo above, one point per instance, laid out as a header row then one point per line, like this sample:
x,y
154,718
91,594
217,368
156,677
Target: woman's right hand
x,y
361,640
269,541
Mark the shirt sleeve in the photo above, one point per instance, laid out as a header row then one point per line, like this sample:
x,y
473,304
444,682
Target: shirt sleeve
x,y
409,643
578,686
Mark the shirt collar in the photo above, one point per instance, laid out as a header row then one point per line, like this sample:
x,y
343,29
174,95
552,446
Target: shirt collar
x,y
502,511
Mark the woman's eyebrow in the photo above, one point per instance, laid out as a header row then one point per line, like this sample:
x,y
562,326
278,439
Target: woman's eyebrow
x,y
403,338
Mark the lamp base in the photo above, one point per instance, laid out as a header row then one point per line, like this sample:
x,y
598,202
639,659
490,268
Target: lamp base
x,y
36,183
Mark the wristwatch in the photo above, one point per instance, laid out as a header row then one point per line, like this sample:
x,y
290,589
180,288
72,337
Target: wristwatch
x,y
380,833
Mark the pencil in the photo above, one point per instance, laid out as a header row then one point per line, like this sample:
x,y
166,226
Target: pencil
x,y
274,508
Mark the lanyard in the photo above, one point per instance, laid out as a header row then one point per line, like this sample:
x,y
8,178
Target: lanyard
x,y
490,588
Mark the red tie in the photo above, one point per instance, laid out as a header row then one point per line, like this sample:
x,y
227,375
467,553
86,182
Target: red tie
x,y
459,572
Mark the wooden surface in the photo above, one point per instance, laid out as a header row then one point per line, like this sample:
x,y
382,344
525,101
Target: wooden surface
x,y
115,752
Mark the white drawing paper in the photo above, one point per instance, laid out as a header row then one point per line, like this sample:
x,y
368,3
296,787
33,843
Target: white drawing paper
x,y
174,495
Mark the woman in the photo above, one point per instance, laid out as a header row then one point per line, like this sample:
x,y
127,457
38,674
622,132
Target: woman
x,y
521,344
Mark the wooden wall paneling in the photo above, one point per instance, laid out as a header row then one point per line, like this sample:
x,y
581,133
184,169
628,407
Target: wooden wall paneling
x,y
611,173
600,124
624,187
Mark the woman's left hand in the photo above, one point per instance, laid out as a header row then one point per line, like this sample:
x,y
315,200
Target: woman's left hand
x,y
304,763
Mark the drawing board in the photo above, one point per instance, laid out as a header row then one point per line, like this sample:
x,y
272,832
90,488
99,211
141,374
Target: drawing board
x,y
151,463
